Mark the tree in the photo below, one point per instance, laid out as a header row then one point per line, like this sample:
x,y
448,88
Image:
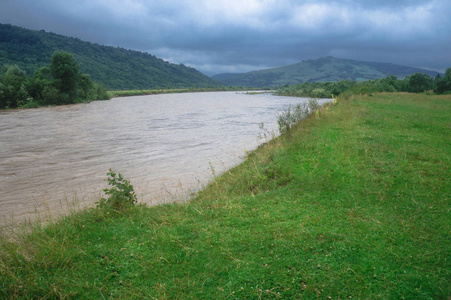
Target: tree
x,y
12,87
41,80
390,84
86,85
66,75
443,84
60,83
2,95
420,82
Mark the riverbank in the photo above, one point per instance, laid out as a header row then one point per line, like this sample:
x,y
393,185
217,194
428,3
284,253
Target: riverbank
x,y
127,93
352,203
131,93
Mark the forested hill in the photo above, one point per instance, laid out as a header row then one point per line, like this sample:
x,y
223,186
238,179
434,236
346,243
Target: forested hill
x,y
115,68
319,70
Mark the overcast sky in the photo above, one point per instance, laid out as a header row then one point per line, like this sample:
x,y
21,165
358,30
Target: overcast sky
x,y
217,36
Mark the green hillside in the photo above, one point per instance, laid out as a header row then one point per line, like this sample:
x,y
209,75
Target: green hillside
x,y
115,68
319,70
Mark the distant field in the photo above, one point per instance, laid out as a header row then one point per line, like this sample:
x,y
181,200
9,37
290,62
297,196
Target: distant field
x,y
353,203
126,93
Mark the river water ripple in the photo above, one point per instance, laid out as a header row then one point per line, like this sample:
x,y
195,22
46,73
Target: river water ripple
x,y
164,144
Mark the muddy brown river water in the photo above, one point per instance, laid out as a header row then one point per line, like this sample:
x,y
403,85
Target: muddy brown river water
x,y
166,145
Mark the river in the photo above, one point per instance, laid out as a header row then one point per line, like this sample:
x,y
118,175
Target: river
x,y
166,145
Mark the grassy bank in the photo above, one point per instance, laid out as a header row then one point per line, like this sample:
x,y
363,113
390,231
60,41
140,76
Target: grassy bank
x,y
127,93
351,204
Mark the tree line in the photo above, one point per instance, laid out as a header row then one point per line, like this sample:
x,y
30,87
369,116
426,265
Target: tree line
x,y
415,83
60,83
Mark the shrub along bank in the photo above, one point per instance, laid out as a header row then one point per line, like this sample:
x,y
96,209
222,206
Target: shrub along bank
x,y
352,203
415,83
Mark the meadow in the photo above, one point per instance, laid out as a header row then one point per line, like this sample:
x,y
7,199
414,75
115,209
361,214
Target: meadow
x,y
351,203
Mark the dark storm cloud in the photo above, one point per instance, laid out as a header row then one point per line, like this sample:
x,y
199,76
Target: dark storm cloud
x,y
237,36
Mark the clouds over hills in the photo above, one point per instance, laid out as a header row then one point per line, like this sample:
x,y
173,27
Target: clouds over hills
x,y
239,36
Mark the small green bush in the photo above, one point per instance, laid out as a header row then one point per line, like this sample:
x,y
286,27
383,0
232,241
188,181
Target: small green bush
x,y
121,194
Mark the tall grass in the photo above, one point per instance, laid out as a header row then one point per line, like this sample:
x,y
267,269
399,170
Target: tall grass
x,y
290,116
351,205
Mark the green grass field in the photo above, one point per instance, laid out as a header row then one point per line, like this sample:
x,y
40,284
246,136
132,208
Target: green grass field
x,y
353,203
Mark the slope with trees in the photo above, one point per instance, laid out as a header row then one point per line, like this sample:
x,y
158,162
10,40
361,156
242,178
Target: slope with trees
x,y
115,68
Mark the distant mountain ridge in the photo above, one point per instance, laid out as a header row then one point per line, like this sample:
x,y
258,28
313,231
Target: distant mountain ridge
x,y
116,68
319,70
